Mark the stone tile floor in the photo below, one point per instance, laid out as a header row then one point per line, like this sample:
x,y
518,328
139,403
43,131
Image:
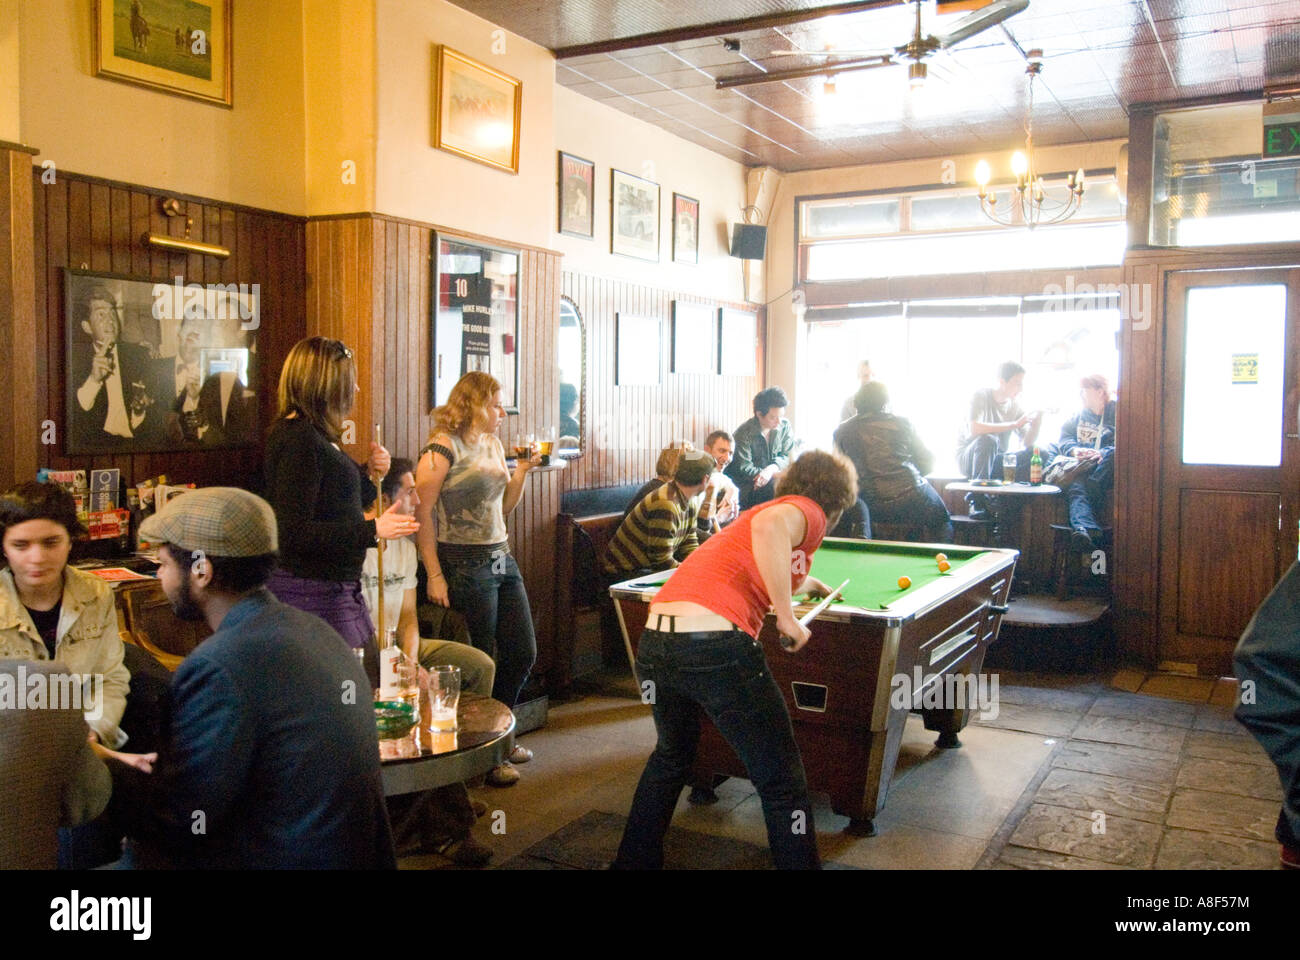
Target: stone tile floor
x,y
1074,772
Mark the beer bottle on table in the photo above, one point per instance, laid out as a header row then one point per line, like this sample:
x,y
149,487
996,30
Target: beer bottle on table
x,y
1036,468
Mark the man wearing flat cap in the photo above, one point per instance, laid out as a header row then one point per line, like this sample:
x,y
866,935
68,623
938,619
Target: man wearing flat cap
x,y
270,759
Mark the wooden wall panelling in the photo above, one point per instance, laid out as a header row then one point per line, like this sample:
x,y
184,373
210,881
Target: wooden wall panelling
x,y
19,425
97,223
627,426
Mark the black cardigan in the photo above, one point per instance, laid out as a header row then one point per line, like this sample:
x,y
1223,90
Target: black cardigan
x,y
319,496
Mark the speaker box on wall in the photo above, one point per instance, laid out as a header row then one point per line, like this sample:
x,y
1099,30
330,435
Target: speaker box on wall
x,y
748,241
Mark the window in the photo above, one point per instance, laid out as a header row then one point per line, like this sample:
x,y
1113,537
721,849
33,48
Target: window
x,y
1210,185
933,355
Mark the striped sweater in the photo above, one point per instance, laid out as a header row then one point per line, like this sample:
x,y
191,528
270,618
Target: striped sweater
x,y
659,533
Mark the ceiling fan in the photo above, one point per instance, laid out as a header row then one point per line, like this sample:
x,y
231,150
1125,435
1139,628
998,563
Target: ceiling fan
x,y
913,53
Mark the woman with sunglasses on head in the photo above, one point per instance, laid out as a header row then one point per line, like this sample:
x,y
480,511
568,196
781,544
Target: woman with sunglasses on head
x,y
462,474
320,494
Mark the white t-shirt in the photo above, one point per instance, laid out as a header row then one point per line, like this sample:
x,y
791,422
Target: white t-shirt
x,y
400,569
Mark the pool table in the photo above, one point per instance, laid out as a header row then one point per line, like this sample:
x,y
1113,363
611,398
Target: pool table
x,y
838,687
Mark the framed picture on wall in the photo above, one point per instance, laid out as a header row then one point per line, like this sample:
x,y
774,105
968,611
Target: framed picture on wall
x,y
577,192
737,342
634,216
475,317
694,342
158,367
177,46
639,346
476,114
686,229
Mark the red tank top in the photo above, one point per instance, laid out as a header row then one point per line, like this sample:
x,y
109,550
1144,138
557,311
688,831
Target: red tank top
x,y
722,577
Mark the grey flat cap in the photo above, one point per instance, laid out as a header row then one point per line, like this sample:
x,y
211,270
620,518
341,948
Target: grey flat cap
x,y
220,521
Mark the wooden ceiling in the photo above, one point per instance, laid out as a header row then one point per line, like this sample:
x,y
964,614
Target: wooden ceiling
x,y
659,59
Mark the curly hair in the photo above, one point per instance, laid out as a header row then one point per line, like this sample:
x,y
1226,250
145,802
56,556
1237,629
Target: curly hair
x,y
319,383
827,479
465,404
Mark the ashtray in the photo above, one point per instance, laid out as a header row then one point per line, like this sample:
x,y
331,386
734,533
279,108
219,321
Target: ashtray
x,y
395,718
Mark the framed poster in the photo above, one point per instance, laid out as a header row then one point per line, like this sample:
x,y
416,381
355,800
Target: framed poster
x,y
737,342
694,330
475,317
577,191
686,229
639,346
476,114
158,367
176,46
634,216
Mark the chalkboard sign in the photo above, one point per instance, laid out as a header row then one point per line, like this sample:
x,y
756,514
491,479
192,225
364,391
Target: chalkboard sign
x,y
475,318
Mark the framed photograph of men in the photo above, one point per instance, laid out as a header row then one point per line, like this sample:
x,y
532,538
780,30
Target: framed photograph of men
x,y
475,317
158,367
176,46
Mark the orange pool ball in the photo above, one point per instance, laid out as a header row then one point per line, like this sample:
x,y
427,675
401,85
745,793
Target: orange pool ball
x,y
944,566
941,557
904,583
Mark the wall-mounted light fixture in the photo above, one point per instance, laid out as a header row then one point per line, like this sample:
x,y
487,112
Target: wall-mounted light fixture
x,y
171,207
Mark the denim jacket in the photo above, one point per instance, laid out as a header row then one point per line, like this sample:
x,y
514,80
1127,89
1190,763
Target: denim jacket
x,y
86,642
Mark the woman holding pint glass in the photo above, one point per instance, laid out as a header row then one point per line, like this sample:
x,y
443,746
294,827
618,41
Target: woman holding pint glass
x,y
462,475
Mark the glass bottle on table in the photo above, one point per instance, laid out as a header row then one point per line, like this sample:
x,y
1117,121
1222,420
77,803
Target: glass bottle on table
x,y
1036,469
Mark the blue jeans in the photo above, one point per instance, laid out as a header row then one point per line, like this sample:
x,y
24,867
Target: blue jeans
x,y
491,598
725,674
1086,496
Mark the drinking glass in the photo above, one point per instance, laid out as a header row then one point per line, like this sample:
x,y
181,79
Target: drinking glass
x,y
1009,467
444,695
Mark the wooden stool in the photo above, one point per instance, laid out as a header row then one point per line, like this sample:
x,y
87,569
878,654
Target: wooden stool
x,y
970,531
1066,556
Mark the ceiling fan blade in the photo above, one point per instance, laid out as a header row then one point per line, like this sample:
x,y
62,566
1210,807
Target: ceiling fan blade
x,y
830,53
796,73
979,21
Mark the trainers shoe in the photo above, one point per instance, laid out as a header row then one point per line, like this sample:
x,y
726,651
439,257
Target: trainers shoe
x,y
466,852
503,776
479,807
1081,539
520,755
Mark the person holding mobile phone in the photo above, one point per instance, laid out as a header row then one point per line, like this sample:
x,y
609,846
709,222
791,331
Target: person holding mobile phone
x,y
699,651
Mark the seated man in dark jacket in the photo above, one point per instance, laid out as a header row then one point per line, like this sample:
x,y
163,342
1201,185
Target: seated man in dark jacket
x,y
892,463
763,450
270,757
1090,435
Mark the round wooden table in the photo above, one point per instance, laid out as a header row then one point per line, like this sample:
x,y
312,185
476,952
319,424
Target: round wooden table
x,y
1014,525
424,760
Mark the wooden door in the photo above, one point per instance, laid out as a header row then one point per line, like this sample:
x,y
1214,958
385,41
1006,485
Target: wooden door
x,y
1230,470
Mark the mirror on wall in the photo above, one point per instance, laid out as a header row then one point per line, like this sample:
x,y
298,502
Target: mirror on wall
x,y
573,380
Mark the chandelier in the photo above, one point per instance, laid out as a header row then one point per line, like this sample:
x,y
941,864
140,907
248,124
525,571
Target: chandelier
x,y
1029,204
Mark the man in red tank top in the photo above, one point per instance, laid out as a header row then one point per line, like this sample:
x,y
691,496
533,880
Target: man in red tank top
x,y
699,651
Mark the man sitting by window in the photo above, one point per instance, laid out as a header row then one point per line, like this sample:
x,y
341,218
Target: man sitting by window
x,y
986,433
660,532
764,444
892,462
1090,435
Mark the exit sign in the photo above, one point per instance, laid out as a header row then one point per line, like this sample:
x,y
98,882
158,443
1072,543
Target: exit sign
x,y
1281,129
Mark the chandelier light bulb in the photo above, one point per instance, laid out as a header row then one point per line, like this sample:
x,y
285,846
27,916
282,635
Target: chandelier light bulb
x,y
1019,164
983,173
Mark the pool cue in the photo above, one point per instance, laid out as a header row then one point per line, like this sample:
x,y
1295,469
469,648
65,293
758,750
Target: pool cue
x,y
787,642
379,550
808,617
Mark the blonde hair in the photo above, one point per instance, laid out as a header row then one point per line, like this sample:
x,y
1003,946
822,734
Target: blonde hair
x,y
465,405
318,382
669,457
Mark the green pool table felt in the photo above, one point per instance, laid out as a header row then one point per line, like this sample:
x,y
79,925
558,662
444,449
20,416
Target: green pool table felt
x,y
873,569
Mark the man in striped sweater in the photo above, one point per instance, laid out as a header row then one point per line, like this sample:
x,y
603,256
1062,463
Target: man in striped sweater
x,y
660,532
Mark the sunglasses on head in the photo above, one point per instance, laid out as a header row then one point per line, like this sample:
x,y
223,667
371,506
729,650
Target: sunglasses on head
x,y
341,351
693,455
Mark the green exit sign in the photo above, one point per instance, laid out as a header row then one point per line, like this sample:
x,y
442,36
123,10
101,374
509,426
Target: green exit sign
x,y
1282,131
